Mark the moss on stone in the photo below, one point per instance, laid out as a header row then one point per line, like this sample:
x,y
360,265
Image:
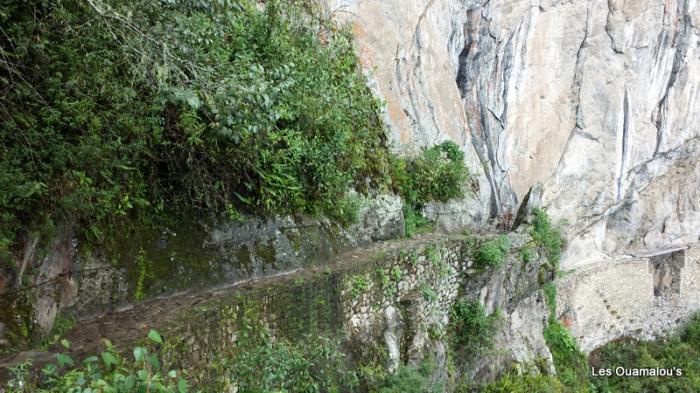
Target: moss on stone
x,y
266,252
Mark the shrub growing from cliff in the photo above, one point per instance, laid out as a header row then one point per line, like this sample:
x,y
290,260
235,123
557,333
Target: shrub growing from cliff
x,y
547,236
492,252
410,380
681,351
437,174
471,329
108,372
525,383
120,110
569,362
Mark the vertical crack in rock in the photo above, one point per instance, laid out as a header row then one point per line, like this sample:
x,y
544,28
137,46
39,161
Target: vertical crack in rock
x,y
577,85
680,41
475,96
624,142
609,27
410,80
485,66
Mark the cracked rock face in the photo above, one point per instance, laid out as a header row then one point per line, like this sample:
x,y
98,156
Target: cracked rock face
x,y
596,100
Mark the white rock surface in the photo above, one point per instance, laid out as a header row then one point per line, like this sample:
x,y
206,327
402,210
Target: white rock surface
x,y
597,100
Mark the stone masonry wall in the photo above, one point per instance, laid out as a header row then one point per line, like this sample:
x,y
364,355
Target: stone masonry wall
x,y
619,298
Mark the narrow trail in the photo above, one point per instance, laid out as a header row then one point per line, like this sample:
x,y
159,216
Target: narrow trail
x,y
130,323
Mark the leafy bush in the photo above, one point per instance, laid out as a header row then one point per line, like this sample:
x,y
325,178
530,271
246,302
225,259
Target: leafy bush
x,y
550,294
492,252
107,373
679,351
414,221
265,365
131,109
359,285
471,329
527,255
410,380
261,362
437,174
569,362
428,293
525,383
547,236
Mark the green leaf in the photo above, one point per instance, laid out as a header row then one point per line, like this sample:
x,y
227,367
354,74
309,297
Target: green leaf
x,y
172,373
182,386
129,382
155,336
109,359
65,343
140,353
64,359
153,360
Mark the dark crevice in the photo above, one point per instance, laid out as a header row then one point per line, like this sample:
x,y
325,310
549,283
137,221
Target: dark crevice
x,y
680,41
625,141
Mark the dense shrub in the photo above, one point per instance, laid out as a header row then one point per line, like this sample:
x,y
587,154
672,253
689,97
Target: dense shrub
x,y
410,380
492,252
679,351
547,236
471,329
110,372
437,174
569,362
131,109
525,383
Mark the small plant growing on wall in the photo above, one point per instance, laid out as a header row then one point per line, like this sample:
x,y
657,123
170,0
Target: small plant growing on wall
x,y
547,236
472,330
108,372
359,285
428,294
492,252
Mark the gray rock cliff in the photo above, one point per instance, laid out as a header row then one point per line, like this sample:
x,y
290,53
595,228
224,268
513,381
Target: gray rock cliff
x,y
597,100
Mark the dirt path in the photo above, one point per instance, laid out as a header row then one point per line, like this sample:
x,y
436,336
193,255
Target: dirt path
x,y
132,322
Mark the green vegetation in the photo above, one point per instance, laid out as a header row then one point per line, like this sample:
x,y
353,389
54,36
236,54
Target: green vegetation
x,y
470,328
413,258
61,326
359,285
437,174
396,273
115,111
409,380
492,252
389,282
107,373
525,383
548,237
428,293
262,363
550,295
432,255
527,255
570,363
142,265
680,351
